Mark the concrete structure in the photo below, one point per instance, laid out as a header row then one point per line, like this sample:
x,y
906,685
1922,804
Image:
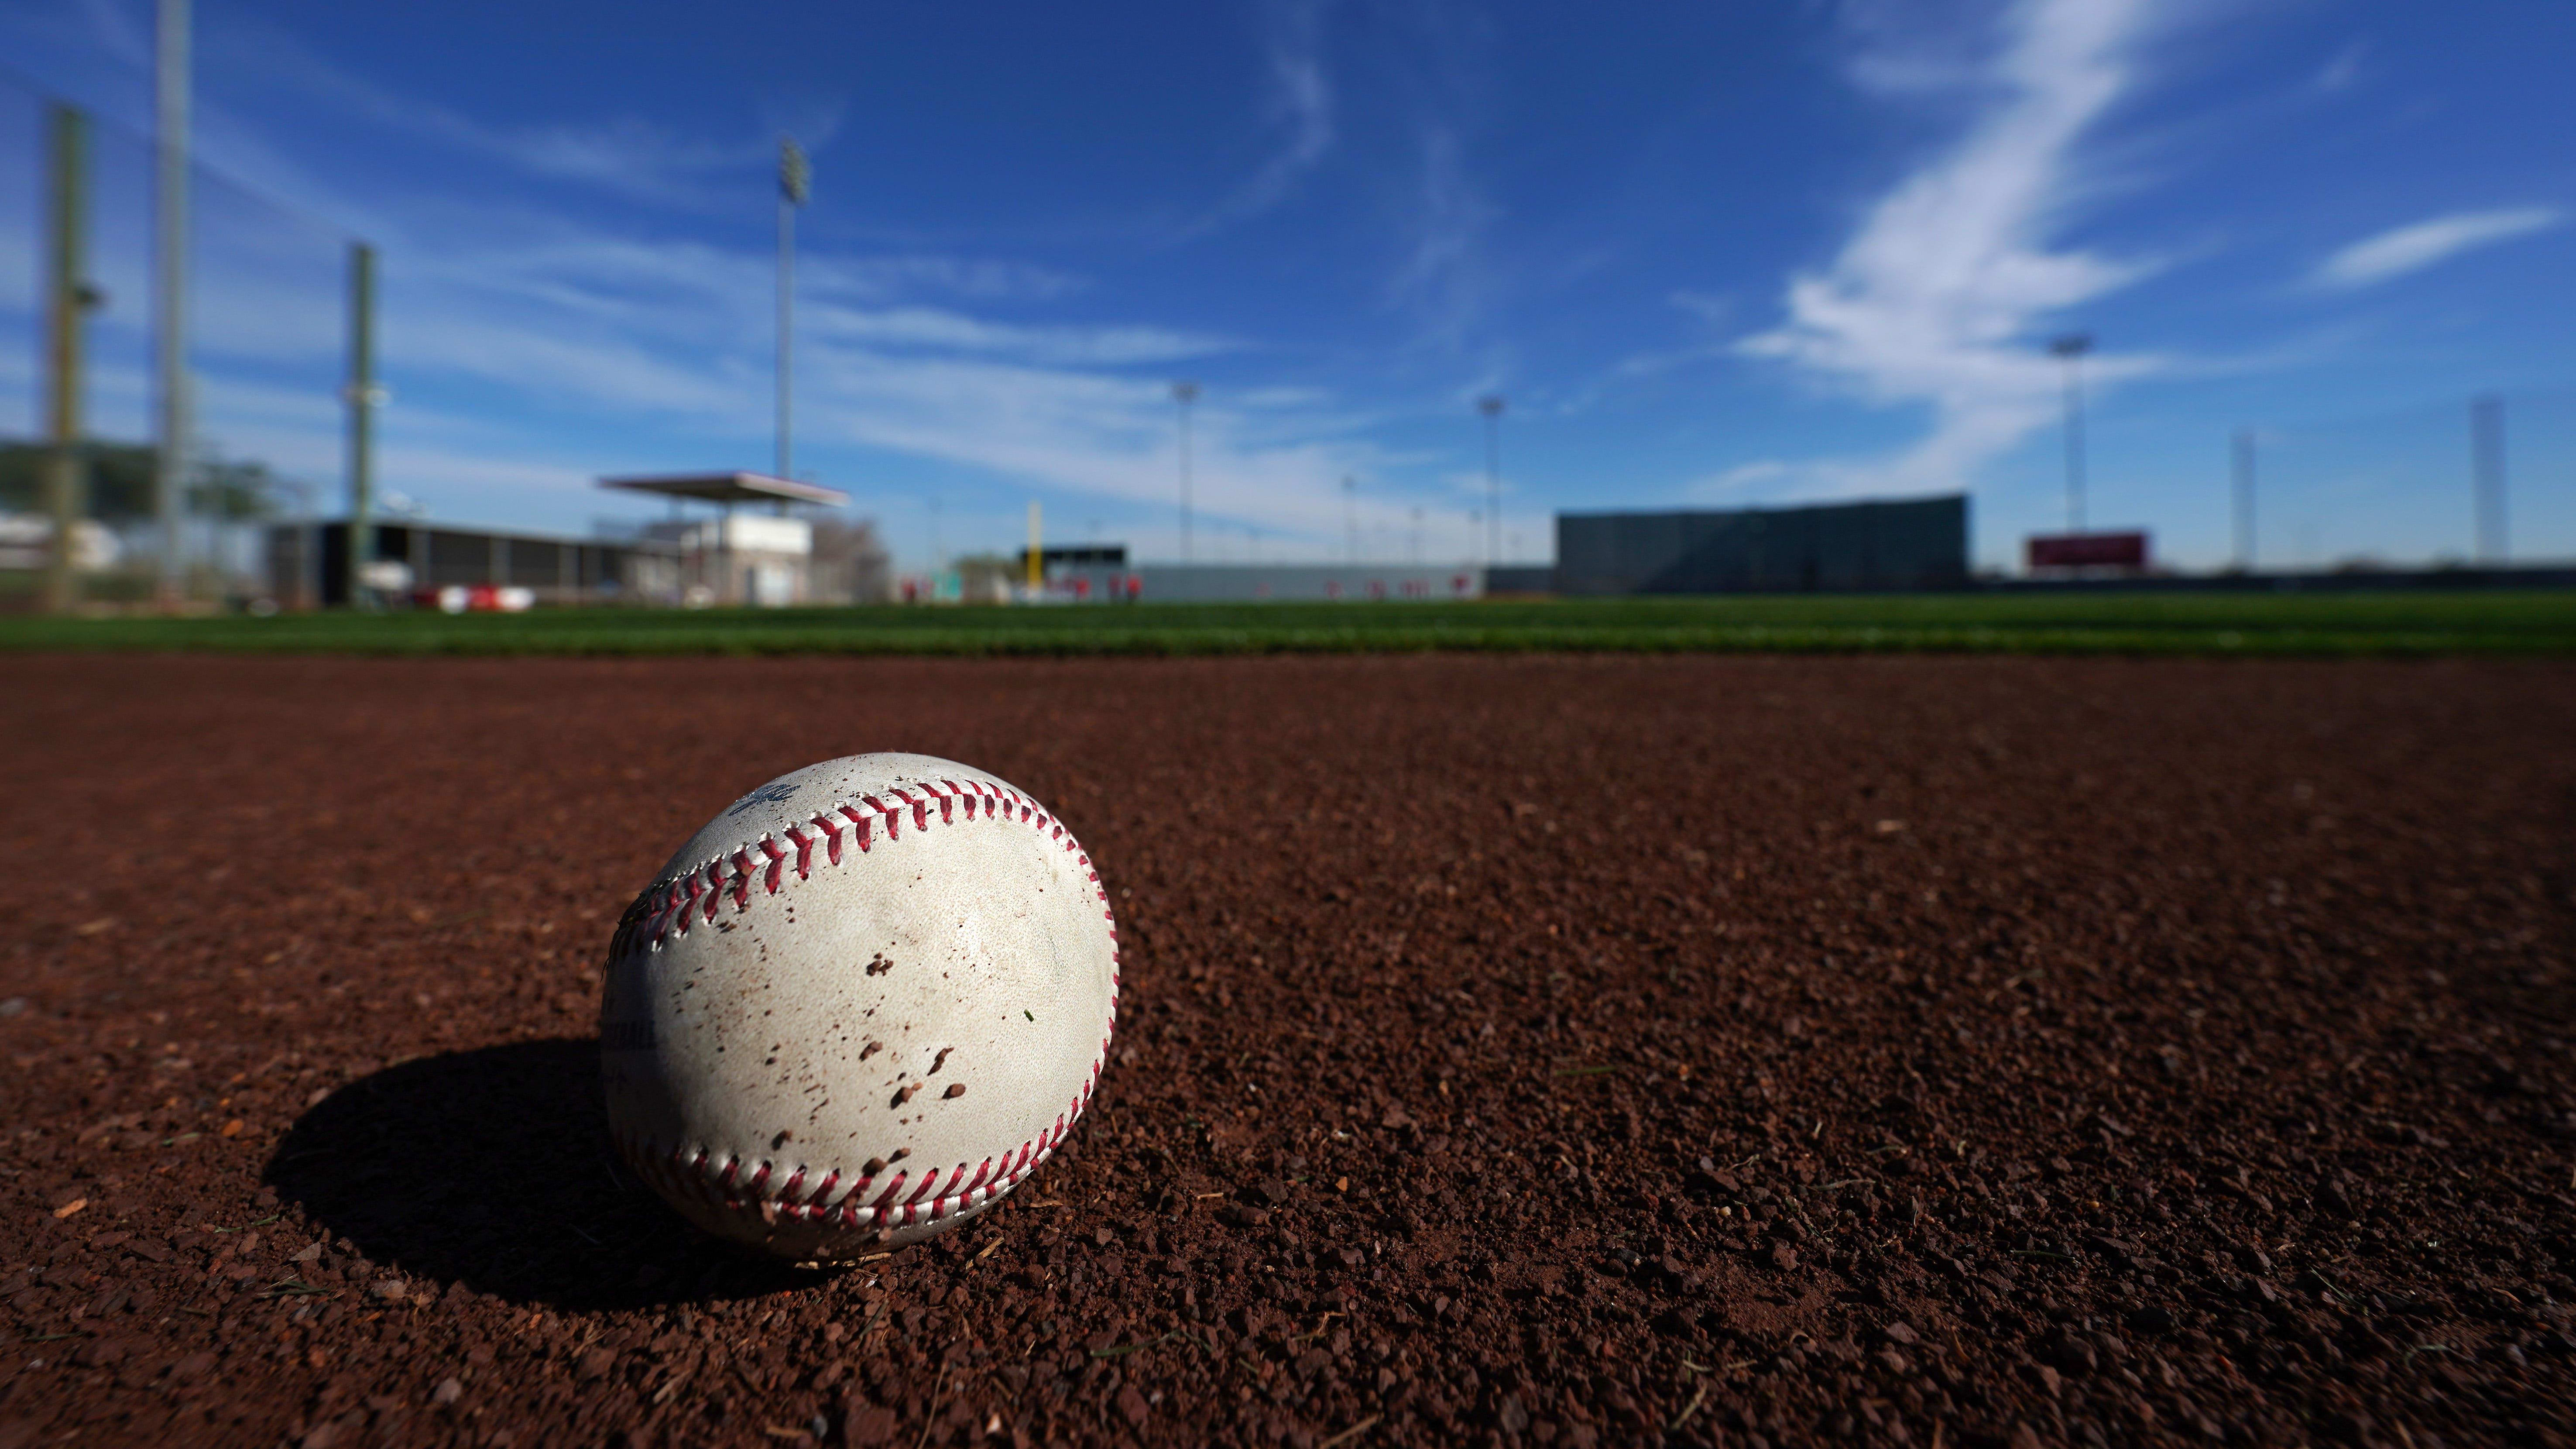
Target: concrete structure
x,y
308,564
1167,583
1919,543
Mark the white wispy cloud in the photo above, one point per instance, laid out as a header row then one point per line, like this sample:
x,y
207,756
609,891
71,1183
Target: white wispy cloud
x,y
1299,104
942,329
1939,297
1441,277
978,278
2342,72
2400,250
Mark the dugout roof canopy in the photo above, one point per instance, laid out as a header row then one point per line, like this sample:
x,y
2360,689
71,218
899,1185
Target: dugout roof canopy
x,y
731,488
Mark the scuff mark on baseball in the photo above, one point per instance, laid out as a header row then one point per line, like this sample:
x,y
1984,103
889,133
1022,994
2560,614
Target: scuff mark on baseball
x,y
763,1064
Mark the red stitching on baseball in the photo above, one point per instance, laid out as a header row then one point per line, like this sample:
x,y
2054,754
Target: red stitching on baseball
x,y
929,1181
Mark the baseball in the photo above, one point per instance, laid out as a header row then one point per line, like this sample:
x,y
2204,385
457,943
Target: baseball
x,y
858,1007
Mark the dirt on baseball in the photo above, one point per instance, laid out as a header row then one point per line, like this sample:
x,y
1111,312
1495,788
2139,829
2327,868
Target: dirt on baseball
x,y
1517,1051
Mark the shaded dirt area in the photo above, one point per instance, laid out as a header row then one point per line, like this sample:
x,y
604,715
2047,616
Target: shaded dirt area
x,y
1522,1051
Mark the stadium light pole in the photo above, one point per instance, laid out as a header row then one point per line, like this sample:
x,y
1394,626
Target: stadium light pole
x,y
170,282
1185,393
363,397
1351,513
2245,499
2071,347
2486,468
795,186
1491,405
70,298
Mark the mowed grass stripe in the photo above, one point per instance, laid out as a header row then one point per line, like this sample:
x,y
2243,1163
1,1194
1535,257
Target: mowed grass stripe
x,y
2314,624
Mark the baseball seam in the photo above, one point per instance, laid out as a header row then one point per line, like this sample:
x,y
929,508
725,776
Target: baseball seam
x,y
693,897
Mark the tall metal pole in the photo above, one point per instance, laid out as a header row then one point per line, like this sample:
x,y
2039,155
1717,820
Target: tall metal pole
x,y
170,284
70,299
795,184
2072,347
1491,406
362,396
2245,499
1036,568
1184,394
2486,464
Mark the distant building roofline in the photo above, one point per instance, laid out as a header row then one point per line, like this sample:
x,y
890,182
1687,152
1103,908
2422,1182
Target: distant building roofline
x,y
1795,507
732,488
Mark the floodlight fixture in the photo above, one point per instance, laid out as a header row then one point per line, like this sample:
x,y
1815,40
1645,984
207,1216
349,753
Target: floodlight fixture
x,y
795,173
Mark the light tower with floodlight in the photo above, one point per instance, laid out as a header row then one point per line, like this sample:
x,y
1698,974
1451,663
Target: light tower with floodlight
x,y
1185,393
2071,347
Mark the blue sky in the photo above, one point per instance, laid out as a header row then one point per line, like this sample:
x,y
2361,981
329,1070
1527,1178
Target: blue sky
x,y
1712,254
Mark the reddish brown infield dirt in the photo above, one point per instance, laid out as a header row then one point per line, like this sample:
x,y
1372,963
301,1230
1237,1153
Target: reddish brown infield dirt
x,y
1534,1051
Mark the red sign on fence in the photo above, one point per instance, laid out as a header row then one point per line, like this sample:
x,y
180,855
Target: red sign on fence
x,y
2088,550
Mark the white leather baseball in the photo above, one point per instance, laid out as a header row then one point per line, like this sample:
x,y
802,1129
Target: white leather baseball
x,y
859,1006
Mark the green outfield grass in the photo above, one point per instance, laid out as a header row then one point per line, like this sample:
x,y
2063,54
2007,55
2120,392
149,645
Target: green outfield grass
x,y
2316,624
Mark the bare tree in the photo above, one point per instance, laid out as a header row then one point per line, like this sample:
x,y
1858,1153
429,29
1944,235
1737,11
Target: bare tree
x,y
850,564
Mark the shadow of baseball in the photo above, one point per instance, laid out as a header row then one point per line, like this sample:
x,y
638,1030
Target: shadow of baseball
x,y
493,1169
